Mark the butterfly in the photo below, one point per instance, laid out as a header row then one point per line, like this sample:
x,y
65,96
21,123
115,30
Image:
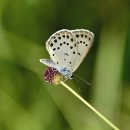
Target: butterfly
x,y
67,49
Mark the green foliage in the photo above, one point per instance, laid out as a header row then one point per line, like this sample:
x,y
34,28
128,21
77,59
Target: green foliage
x,y
27,102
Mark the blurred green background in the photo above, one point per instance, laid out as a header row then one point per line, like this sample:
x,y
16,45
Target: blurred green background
x,y
27,102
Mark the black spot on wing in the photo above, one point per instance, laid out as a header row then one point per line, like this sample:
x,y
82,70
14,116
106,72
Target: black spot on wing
x,y
54,49
51,44
59,38
78,53
58,48
82,35
77,35
71,47
72,39
55,41
66,54
86,36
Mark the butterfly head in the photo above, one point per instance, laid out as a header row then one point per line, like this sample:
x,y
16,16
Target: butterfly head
x,y
71,77
54,73
66,73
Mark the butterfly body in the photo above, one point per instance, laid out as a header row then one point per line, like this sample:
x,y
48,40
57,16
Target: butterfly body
x,y
67,49
67,73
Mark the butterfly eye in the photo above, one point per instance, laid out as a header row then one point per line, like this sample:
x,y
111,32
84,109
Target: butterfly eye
x,y
72,76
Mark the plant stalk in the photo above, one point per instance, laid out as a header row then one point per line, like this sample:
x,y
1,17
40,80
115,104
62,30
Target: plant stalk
x,y
90,106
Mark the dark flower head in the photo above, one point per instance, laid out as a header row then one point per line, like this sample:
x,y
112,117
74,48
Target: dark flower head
x,y
51,75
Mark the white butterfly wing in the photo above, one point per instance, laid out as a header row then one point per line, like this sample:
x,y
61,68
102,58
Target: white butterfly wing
x,y
62,49
84,39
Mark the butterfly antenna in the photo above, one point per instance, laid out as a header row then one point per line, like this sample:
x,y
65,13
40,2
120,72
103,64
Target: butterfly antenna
x,y
82,79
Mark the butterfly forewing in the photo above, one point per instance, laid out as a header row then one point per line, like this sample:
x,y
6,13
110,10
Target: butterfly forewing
x,y
84,40
62,48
